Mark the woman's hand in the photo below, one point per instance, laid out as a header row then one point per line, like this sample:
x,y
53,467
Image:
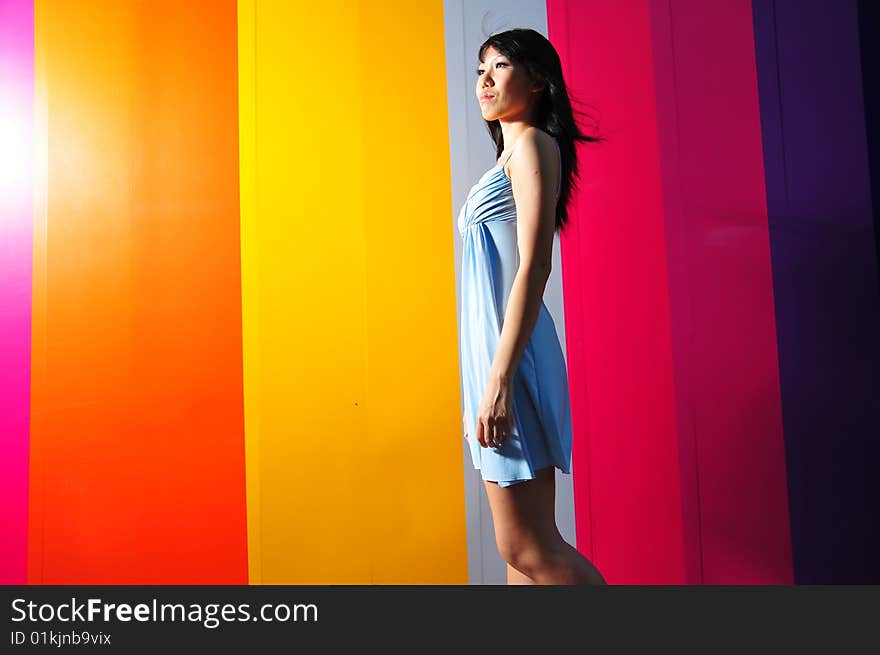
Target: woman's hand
x,y
495,415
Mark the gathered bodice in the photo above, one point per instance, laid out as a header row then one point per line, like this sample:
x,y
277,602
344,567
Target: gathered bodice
x,y
491,198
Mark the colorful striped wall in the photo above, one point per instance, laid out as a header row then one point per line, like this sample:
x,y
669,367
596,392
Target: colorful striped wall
x,y
229,301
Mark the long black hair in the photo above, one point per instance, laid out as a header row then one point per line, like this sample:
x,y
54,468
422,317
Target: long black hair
x,y
553,110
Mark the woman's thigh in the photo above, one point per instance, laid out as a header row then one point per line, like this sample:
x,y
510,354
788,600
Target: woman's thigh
x,y
524,513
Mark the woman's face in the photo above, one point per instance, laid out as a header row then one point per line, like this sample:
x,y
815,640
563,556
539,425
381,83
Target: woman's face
x,y
503,89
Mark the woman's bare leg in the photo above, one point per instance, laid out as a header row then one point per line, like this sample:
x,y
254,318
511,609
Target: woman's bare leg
x,y
527,536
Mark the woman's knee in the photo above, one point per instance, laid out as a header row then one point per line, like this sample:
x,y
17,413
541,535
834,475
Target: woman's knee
x,y
521,554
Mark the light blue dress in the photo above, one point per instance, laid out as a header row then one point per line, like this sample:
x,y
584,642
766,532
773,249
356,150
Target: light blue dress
x,y
541,432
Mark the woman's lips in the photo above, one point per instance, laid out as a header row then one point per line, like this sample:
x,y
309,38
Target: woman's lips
x,y
485,98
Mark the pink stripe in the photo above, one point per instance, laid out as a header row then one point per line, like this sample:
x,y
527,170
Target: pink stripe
x,y
721,294
626,468
16,190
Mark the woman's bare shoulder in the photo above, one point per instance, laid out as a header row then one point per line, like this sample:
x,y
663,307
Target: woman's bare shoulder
x,y
537,146
539,136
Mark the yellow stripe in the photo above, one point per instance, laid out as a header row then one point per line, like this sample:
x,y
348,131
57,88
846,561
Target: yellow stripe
x,y
351,368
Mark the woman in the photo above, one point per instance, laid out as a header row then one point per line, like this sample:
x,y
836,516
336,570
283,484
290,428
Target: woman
x,y
516,408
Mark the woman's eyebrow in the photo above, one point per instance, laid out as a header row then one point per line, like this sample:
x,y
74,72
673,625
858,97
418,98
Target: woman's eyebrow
x,y
480,63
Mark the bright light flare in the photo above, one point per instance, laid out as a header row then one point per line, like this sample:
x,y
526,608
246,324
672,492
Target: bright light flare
x,y
16,148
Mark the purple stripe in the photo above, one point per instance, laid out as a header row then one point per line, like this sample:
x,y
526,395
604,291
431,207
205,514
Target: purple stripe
x,y
825,281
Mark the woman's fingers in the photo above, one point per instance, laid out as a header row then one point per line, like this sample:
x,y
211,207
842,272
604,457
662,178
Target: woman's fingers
x,y
500,430
495,432
491,433
488,433
499,433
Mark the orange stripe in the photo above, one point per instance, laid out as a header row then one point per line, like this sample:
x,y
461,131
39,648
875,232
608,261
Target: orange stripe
x,y
137,426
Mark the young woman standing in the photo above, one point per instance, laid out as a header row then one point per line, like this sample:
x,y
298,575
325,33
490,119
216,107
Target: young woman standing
x,y
515,388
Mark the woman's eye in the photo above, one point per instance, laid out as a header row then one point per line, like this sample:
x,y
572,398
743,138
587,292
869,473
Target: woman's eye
x,y
500,63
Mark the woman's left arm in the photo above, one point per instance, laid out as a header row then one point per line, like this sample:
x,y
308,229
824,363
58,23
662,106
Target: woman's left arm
x,y
533,181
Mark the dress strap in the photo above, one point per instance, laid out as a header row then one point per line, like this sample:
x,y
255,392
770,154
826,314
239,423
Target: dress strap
x,y
556,143
510,154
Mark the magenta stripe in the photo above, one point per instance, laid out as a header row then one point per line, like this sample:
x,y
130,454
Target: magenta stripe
x,y
721,294
16,224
